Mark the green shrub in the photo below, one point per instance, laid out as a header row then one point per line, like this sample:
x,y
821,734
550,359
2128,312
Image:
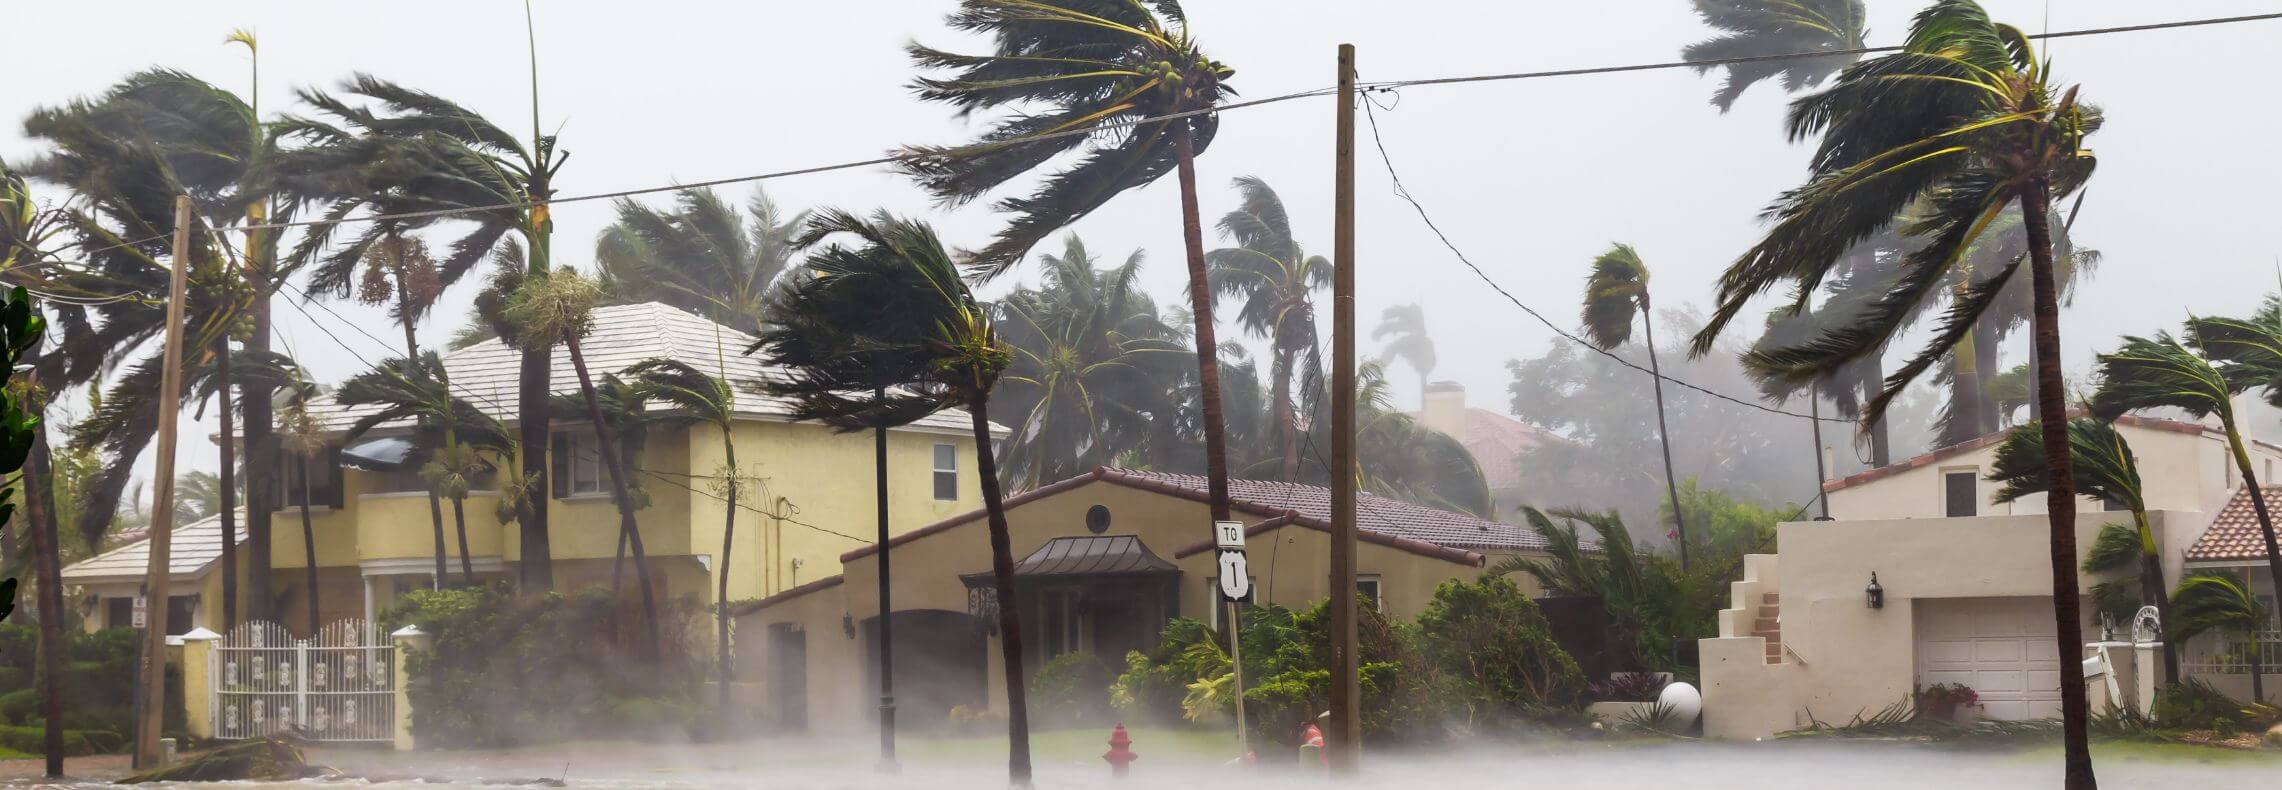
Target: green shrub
x,y
1153,684
507,670
1070,690
76,743
19,706
2192,704
1492,644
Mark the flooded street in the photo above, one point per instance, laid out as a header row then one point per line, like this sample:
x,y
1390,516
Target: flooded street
x,y
977,765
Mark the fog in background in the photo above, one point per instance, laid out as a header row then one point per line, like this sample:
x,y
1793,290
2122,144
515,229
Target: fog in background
x,y
1531,178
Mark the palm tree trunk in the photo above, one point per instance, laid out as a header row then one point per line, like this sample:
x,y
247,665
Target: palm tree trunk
x,y
2257,667
309,548
721,595
607,443
1664,434
459,522
887,603
1985,369
2257,504
260,434
1965,392
1881,443
2155,592
1287,418
1207,346
1002,573
2060,495
47,570
436,519
229,479
537,569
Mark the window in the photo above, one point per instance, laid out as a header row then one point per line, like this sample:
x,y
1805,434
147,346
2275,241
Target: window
x,y
1368,587
118,612
946,472
322,473
1962,491
577,465
2113,505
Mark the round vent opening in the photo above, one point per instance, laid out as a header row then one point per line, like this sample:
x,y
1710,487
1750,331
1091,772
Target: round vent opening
x,y
1097,519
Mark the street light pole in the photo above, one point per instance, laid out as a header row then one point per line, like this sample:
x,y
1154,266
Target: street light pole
x,y
1346,735
150,694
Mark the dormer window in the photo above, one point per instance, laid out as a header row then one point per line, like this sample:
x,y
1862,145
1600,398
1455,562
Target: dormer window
x,y
1961,492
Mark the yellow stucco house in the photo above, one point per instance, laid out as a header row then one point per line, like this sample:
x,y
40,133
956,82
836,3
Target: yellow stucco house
x,y
374,536
1104,559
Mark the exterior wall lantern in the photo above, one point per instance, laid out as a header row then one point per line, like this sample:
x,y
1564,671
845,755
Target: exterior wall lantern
x,y
1876,593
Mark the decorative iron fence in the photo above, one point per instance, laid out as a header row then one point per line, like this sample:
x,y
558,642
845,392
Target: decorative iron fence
x,y
2231,653
337,687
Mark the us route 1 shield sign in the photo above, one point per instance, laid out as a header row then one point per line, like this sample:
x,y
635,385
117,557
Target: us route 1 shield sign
x,y
1235,578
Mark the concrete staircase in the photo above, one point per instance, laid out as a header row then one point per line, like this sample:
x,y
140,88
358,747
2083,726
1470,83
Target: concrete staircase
x,y
1768,625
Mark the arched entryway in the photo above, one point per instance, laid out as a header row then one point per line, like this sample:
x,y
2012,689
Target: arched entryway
x,y
940,663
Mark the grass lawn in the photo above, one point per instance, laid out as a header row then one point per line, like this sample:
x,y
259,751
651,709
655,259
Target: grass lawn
x,y
11,754
1078,745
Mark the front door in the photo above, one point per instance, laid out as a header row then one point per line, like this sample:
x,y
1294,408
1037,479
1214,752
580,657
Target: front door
x,y
788,675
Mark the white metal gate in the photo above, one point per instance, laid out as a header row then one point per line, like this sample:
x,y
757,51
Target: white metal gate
x,y
339,686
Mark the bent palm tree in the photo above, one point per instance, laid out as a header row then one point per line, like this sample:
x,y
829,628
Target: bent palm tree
x,y
700,256
705,398
1406,323
1277,281
2161,372
447,431
2250,351
895,303
1617,291
2210,601
1060,65
1962,122
2104,470
303,435
1755,28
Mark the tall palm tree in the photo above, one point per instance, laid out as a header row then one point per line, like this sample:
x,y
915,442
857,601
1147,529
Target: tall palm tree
x,y
706,398
626,409
402,151
2214,600
2250,354
302,435
895,302
1091,365
1615,293
558,308
1406,323
1962,122
255,393
1639,599
2105,470
1060,65
1753,28
1277,281
2161,372
700,256
446,431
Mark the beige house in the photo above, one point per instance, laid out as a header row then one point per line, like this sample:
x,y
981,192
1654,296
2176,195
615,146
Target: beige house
x,y
1104,560
1965,583
810,496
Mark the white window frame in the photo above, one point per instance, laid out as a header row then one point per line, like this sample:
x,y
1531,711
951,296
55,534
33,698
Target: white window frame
x,y
937,469
1378,591
1951,471
583,455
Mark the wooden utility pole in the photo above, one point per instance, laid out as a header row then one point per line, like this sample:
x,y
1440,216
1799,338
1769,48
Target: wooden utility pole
x,y
150,695
1346,735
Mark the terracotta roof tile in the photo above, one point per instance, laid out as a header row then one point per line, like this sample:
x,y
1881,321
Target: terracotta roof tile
x,y
2234,533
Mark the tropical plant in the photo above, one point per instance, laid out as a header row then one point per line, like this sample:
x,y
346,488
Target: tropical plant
x,y
1489,638
407,152
1765,28
2105,470
1642,593
700,256
1091,364
197,494
700,397
1617,291
1397,457
2216,600
557,308
23,437
2161,372
626,410
1276,280
1406,323
2250,355
1069,65
1963,121
885,331
414,389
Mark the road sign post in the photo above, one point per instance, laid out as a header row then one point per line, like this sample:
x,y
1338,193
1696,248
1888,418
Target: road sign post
x,y
1235,587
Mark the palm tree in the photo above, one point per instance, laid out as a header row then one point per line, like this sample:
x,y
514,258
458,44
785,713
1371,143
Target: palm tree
x,y
626,409
2105,470
26,234
1963,121
197,494
558,308
303,435
1091,364
896,303
705,398
255,394
700,256
1754,28
1277,282
2161,372
1402,459
2250,353
408,151
415,389
1061,65
1617,291
1406,323
1639,599
2212,600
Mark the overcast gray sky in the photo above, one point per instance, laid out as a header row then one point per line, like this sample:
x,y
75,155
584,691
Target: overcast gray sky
x,y
1532,178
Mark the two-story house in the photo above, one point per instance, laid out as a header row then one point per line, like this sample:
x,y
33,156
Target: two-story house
x,y
1964,585
809,497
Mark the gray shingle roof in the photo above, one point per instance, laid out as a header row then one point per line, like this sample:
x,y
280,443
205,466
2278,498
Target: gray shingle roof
x,y
195,546
485,374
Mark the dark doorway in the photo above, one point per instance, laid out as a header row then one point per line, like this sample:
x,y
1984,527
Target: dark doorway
x,y
788,675
940,663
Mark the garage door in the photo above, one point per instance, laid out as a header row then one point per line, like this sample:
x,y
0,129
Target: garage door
x,y
2005,649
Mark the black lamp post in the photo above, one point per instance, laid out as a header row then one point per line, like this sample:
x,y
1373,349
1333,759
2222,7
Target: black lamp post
x,y
1876,593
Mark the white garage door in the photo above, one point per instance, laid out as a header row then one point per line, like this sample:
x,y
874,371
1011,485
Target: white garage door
x,y
2004,649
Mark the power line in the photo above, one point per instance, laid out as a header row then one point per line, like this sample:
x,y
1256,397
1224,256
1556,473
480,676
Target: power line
x,y
668,477
1404,193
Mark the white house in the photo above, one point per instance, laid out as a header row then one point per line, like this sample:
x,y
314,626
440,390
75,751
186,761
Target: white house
x,y
1965,586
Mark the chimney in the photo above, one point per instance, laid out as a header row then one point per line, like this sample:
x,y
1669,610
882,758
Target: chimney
x,y
1443,408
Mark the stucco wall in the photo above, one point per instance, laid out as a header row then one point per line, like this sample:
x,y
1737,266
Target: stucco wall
x,y
2179,471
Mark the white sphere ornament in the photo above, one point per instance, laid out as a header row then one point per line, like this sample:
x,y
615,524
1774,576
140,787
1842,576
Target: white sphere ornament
x,y
1685,701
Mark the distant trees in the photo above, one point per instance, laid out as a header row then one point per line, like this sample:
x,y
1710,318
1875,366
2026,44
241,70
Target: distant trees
x,y
1758,28
1274,281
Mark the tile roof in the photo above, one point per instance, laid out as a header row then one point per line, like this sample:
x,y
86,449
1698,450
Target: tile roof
x,y
1497,443
2233,533
195,546
485,374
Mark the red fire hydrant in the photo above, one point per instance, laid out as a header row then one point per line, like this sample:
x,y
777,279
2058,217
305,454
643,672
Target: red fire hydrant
x,y
1118,755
